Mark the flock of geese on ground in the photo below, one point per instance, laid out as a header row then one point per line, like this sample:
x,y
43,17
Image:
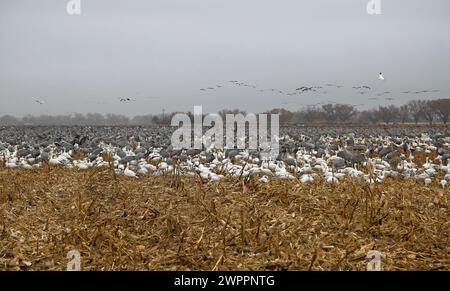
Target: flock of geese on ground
x,y
328,159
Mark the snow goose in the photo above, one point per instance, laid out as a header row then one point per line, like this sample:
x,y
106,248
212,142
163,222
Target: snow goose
x,y
129,173
306,178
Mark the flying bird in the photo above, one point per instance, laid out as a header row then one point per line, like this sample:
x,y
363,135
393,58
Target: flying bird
x,y
39,102
304,89
380,77
333,85
381,94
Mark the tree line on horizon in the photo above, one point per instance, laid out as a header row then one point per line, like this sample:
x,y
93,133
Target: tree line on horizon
x,y
416,111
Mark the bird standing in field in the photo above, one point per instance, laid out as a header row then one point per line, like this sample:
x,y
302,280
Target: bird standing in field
x,y
128,172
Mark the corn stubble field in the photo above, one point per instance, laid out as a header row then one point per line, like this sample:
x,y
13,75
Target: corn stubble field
x,y
179,223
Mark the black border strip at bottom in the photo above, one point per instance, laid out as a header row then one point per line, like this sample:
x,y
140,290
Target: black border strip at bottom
x,y
180,280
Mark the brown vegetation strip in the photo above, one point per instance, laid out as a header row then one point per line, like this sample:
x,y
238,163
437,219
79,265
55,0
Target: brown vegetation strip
x,y
168,223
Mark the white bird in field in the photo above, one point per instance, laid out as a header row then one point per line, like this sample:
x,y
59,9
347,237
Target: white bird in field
x,y
11,164
82,165
264,179
164,166
215,177
128,172
143,171
330,179
25,165
306,178
380,77
54,161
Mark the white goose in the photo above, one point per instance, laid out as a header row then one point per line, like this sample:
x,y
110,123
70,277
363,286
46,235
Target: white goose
x,y
129,173
306,178
11,163
25,165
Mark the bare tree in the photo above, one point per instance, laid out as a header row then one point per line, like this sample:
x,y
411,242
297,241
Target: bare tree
x,y
403,113
428,112
9,120
387,113
442,108
372,116
312,114
285,115
344,111
116,119
366,116
224,112
142,120
330,112
416,108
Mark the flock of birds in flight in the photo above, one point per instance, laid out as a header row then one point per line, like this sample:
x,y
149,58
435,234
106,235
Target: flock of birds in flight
x,y
128,99
361,89
121,100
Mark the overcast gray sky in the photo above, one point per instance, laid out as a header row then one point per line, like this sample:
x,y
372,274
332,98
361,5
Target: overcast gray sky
x,y
169,49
